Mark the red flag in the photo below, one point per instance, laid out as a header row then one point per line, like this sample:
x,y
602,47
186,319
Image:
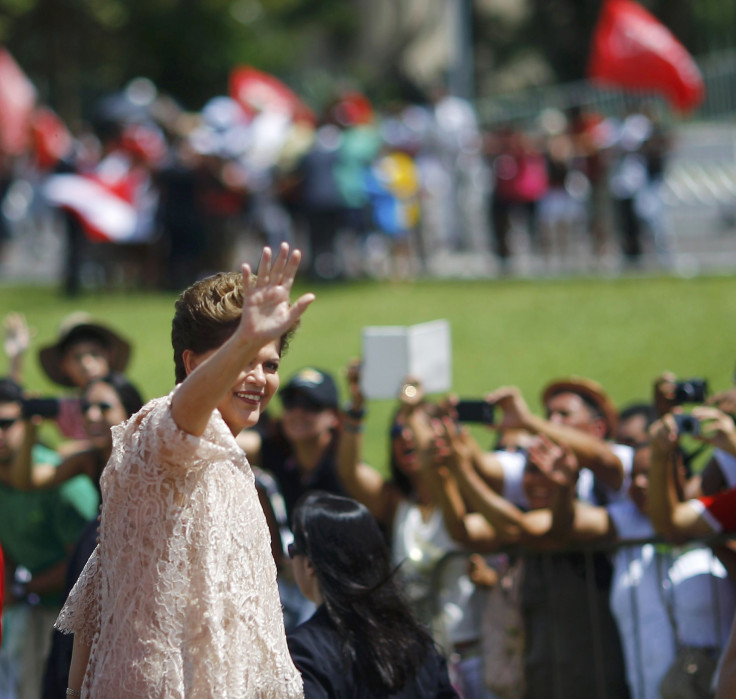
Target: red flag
x,y
17,98
257,91
51,138
115,204
632,49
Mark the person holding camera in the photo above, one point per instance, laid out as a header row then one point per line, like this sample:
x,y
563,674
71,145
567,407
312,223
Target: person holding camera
x,y
38,531
571,642
719,471
84,350
413,509
681,519
579,415
665,600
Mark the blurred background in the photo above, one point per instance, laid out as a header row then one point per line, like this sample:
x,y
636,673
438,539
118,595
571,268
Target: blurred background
x,y
388,138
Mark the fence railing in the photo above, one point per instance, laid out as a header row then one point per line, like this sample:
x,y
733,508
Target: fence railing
x,y
629,554
522,107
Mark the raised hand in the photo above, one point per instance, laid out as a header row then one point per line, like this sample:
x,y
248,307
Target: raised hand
x,y
555,462
352,374
725,401
17,335
515,410
267,313
411,394
717,428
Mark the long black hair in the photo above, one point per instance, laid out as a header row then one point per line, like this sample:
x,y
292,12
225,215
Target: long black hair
x,y
381,638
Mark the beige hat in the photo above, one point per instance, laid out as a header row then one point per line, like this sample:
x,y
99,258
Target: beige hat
x,y
80,325
590,390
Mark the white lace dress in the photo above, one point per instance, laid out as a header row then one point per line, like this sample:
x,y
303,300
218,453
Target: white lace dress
x,y
179,598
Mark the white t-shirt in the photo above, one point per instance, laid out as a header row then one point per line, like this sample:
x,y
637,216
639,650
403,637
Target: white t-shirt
x,y
649,578
727,464
417,546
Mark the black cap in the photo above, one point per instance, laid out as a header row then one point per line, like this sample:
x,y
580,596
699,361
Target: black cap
x,y
316,384
10,391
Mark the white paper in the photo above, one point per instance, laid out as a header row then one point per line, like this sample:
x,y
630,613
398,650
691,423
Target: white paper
x,y
391,353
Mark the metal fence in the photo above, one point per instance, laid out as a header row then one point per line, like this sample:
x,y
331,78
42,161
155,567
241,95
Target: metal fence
x,y
523,107
586,606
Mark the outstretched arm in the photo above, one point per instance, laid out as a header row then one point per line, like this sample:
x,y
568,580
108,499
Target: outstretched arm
x,y
590,452
266,316
360,480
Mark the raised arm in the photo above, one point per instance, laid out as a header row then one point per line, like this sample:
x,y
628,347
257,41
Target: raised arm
x,y
266,316
359,479
673,519
441,443
590,452
17,339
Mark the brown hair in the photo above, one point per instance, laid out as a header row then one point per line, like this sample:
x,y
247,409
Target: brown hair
x,y
207,314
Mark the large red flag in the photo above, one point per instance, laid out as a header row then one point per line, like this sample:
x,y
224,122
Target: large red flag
x,y
17,99
632,49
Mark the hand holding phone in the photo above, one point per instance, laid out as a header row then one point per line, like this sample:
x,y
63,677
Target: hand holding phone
x,y
480,411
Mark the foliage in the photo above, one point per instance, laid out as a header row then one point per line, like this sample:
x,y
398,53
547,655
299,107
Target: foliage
x,y
620,332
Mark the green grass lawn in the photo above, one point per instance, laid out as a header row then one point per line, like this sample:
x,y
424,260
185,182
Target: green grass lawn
x,y
620,332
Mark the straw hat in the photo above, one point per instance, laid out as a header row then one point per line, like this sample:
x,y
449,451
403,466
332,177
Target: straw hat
x,y
591,391
81,325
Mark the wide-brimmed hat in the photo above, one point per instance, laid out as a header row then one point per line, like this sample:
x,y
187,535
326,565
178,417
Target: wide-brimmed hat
x,y
316,384
81,326
590,390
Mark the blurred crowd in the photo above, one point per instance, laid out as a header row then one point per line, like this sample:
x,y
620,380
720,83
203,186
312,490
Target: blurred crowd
x,y
171,195
563,554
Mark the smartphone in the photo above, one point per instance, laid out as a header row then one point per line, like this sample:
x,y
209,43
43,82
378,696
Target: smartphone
x,y
41,407
475,411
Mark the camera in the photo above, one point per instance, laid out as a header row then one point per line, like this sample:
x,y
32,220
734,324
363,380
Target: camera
x,y
475,411
687,424
40,407
691,391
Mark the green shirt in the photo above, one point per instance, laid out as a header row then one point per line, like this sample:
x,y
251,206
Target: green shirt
x,y
38,528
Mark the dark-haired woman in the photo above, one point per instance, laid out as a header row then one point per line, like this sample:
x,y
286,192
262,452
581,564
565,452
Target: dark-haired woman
x,y
420,513
363,640
105,402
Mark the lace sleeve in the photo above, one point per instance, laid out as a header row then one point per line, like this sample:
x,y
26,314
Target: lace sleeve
x,y
81,612
159,440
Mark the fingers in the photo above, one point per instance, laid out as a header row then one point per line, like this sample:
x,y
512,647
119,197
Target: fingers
x,y
299,306
279,265
288,273
246,277
280,271
264,268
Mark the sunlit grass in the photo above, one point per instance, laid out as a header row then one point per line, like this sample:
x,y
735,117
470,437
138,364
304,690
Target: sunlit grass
x,y
620,332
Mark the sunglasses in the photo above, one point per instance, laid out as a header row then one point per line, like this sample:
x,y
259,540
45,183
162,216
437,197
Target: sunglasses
x,y
7,422
396,431
293,550
100,405
292,401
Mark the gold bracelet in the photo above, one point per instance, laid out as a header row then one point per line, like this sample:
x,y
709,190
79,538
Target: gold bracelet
x,y
73,692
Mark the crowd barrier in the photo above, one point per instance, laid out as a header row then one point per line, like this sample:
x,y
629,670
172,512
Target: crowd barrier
x,y
721,626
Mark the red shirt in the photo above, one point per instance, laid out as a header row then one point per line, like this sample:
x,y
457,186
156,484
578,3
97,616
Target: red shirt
x,y
721,507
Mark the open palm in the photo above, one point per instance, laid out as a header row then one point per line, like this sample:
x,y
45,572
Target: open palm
x,y
267,313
